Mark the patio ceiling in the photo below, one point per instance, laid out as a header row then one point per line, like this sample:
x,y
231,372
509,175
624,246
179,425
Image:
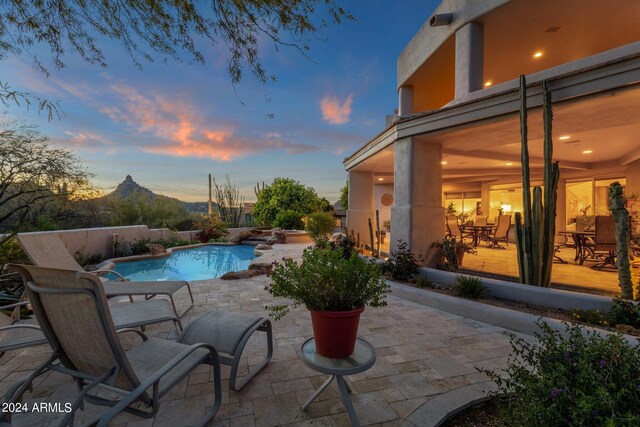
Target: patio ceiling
x,y
607,124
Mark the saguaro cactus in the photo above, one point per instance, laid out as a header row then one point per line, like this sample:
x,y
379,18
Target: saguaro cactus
x,y
535,237
621,217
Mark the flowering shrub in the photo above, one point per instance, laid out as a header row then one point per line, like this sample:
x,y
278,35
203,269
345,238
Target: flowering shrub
x,y
570,380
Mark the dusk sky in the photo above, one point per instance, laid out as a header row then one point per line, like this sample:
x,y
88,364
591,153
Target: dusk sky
x,y
168,125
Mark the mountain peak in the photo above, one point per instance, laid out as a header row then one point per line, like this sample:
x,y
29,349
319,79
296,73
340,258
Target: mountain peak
x,y
129,187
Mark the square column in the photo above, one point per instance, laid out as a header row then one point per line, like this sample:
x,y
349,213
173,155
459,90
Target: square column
x,y
405,100
469,59
417,216
360,203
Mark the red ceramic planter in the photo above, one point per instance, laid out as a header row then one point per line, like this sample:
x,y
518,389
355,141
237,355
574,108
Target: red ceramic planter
x,y
335,331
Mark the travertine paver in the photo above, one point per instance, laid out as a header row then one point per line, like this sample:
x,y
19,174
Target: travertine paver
x,y
422,353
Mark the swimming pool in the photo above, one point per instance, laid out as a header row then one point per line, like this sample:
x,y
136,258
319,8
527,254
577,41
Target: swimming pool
x,y
204,262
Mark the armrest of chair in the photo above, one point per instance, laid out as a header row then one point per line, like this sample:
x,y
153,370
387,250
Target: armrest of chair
x,y
103,272
142,334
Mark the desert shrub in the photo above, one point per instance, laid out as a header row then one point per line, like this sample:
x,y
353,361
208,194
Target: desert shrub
x,y
88,260
422,282
123,249
11,252
402,264
344,243
186,224
593,317
624,312
140,247
211,228
570,379
320,225
286,194
289,220
469,287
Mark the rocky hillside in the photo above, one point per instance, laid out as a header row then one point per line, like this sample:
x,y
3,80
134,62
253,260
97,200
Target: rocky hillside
x,y
130,188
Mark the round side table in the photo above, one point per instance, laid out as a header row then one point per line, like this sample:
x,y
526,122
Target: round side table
x,y
362,358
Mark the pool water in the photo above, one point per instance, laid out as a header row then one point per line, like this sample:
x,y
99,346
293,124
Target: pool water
x,y
205,262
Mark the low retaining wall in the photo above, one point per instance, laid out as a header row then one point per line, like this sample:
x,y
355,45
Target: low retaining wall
x,y
534,295
99,241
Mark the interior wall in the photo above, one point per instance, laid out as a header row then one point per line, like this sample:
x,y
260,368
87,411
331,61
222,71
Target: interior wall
x,y
380,190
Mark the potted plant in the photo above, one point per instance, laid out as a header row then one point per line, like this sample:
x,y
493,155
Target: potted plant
x,y
335,288
453,251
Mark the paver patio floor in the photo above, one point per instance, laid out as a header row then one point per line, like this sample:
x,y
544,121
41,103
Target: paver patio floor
x,y
421,353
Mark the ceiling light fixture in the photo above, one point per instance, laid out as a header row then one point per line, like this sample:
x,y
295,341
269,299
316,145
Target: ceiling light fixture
x,y
537,55
444,162
564,137
380,179
587,152
509,164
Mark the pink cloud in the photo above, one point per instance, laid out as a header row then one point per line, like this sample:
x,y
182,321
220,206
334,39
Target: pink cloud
x,y
183,132
90,140
333,111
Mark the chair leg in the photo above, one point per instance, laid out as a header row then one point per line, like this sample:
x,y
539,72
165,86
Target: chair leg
x,y
236,384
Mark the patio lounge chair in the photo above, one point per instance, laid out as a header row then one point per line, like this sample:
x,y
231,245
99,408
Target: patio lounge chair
x,y
73,313
48,250
502,232
16,333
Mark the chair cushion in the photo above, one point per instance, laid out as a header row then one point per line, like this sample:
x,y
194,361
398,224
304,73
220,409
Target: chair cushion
x,y
222,330
150,356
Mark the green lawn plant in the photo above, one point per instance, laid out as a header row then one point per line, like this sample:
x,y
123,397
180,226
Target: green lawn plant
x,y
575,378
535,227
327,281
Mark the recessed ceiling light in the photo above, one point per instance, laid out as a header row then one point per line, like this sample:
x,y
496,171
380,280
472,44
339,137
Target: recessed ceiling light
x,y
444,162
487,84
587,152
564,137
538,54
509,164
380,179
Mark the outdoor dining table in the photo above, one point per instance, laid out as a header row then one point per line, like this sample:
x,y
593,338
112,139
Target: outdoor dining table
x,y
478,231
583,251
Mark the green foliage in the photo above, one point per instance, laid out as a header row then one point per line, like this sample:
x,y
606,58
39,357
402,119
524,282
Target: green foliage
x,y
11,252
592,317
345,244
230,202
285,194
320,225
85,260
162,29
451,209
141,209
325,280
344,196
289,220
570,380
449,247
422,282
211,228
624,312
469,287
37,180
402,264
186,224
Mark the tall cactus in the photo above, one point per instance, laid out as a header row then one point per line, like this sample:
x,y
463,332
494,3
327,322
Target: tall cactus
x,y
535,227
621,217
